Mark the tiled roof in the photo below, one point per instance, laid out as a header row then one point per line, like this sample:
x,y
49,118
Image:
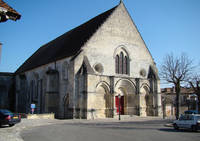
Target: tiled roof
x,y
10,11
68,44
6,6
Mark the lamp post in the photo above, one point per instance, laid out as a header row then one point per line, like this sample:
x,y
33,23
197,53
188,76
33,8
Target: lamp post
x,y
197,105
164,107
196,100
119,102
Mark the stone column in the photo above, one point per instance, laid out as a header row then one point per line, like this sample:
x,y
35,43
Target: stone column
x,y
158,101
142,105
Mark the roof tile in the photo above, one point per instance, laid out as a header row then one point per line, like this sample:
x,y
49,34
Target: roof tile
x,y
6,6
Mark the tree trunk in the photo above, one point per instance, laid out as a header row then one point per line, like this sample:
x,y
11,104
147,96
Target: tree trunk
x,y
178,89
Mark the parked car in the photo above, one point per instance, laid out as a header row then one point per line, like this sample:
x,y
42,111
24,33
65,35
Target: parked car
x,y
191,112
9,118
190,121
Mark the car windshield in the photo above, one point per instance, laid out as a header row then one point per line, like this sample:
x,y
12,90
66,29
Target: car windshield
x,y
6,112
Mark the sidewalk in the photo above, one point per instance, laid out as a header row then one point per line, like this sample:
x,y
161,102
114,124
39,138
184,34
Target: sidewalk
x,y
13,133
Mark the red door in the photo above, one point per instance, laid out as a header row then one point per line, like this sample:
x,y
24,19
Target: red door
x,y
121,101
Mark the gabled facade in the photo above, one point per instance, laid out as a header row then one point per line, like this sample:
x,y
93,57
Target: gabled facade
x,y
82,73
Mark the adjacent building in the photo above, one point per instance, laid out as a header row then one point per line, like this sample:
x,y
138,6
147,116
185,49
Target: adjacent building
x,y
92,71
7,80
7,12
7,91
188,100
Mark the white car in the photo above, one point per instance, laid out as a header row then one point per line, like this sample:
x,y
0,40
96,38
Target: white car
x,y
190,121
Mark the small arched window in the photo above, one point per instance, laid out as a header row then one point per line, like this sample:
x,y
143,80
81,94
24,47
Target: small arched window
x,y
125,69
117,64
121,63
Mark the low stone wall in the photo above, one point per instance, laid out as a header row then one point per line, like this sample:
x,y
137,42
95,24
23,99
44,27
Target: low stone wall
x,y
41,116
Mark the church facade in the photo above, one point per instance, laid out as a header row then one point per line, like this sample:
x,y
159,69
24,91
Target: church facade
x,y
95,70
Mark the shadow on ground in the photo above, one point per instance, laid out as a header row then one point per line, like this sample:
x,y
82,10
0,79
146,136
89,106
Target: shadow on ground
x,y
180,130
125,125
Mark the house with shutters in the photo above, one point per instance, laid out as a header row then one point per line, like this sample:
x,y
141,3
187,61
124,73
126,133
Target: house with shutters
x,y
93,71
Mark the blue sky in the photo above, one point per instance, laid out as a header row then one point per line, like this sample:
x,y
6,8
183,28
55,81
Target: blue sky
x,y
165,25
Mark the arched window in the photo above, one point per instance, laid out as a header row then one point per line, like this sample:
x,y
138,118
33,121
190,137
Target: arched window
x,y
125,69
122,63
117,64
52,81
121,60
65,69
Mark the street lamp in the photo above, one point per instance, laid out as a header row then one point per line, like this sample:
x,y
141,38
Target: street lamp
x,y
195,98
119,102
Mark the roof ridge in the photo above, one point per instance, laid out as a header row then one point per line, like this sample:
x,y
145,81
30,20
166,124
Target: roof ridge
x,y
78,26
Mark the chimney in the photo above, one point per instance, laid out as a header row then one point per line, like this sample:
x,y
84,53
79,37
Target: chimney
x,y
0,51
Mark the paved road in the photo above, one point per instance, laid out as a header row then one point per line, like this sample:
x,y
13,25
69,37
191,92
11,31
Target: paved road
x,y
13,133
109,131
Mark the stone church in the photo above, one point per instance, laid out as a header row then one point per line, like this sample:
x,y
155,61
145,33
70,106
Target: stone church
x,y
93,71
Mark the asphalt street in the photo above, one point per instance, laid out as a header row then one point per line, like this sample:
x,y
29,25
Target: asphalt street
x,y
109,131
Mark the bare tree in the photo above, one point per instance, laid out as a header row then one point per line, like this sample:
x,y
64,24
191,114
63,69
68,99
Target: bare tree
x,y
194,83
176,70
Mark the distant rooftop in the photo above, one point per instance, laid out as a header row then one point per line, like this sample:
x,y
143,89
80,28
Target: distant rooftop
x,y
172,90
7,12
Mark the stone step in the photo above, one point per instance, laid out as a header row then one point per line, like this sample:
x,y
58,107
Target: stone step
x,y
126,116
41,116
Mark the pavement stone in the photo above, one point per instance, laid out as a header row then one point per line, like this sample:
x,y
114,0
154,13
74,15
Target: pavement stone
x,y
13,133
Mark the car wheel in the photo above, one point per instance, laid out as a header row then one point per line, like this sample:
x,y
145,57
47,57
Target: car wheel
x,y
176,127
11,125
194,128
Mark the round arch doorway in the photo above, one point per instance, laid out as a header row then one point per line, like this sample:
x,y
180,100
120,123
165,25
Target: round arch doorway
x,y
128,100
104,102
